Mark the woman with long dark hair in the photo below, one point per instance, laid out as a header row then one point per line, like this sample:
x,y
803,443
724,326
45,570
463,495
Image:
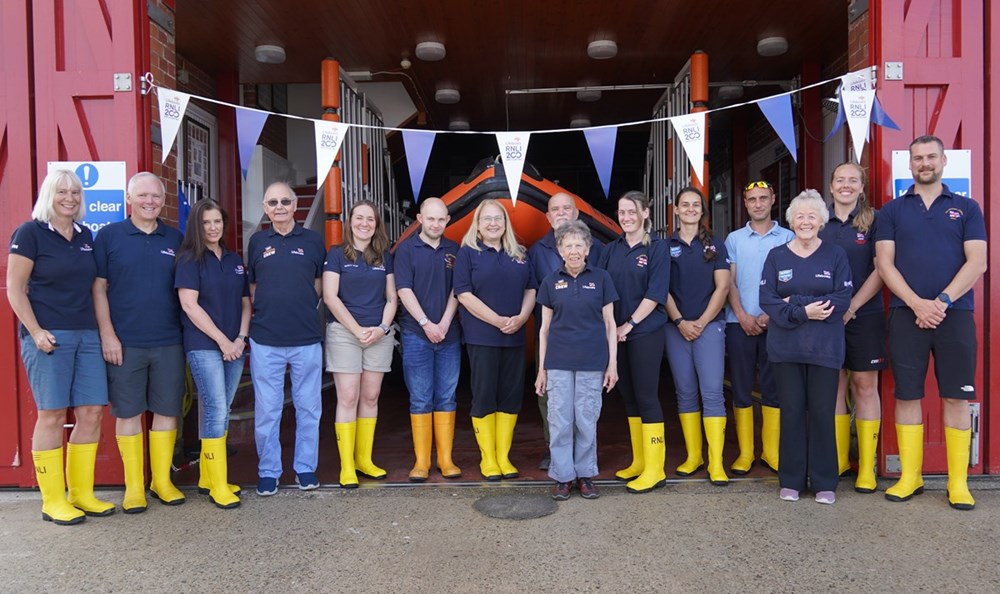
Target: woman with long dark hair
x,y
212,287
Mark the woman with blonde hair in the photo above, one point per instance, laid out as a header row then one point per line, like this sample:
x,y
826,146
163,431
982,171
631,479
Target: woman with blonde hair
x,y
496,290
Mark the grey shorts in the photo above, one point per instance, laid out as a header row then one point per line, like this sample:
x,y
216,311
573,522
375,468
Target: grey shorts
x,y
345,353
147,380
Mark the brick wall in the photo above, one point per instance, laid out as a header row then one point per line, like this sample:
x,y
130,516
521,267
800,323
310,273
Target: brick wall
x,y
163,65
857,43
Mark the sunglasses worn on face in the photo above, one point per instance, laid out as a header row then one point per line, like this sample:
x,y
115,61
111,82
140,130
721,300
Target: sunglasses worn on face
x,y
757,184
284,202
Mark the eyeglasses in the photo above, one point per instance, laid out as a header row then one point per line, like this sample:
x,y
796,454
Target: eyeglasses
x,y
757,184
494,219
284,202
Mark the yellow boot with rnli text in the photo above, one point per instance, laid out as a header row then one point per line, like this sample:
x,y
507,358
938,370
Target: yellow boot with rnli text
x,y
52,484
485,428
654,450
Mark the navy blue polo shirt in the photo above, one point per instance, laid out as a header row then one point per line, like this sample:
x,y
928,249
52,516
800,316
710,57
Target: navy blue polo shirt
x,y
791,336
221,285
427,271
139,269
284,269
692,279
362,287
545,259
930,244
61,277
497,280
860,250
577,337
639,272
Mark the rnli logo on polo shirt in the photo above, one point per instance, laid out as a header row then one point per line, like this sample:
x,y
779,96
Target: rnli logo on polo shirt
x,y
560,284
449,261
785,275
86,248
953,214
860,239
299,252
641,260
591,286
268,252
168,252
824,274
239,269
518,260
379,268
675,251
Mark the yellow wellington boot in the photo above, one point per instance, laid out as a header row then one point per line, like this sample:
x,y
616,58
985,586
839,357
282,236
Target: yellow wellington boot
x,y
80,459
364,443
133,460
910,439
842,424
505,438
770,436
744,436
161,453
422,426
217,461
867,444
957,442
715,435
346,433
205,479
654,451
635,436
691,429
444,438
485,428
52,484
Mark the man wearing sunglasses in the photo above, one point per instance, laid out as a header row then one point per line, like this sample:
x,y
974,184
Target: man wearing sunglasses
x,y
746,327
285,267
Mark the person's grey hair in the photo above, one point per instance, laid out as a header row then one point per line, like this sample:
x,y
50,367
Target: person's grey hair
x,y
43,210
573,228
145,175
808,199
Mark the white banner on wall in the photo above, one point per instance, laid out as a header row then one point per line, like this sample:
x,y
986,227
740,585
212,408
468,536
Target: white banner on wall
x,y
103,190
957,173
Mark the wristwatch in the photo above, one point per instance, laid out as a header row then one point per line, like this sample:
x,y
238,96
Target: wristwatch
x,y
944,298
678,321
244,338
385,328
423,321
632,322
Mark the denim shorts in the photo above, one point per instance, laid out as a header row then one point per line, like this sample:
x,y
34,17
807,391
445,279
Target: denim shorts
x,y
72,375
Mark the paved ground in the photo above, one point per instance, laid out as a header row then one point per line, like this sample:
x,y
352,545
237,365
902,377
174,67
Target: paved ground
x,y
689,537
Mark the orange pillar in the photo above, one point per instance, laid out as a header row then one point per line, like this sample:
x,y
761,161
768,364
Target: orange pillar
x,y
699,103
333,205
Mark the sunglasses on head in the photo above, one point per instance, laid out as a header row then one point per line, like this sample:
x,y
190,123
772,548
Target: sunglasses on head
x,y
757,184
284,202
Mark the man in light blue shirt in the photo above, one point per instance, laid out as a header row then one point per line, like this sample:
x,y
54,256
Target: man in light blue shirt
x,y
746,327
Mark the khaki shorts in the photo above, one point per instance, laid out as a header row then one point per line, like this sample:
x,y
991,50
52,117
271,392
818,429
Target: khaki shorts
x,y
345,354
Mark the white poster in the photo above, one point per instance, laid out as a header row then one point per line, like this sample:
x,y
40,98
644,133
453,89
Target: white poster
x,y
329,137
690,131
513,149
173,104
857,92
103,190
957,173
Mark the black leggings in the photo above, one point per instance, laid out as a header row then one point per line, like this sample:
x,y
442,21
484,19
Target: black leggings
x,y
639,376
497,378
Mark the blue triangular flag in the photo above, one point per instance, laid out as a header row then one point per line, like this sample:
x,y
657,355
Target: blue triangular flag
x,y
880,117
778,111
183,208
601,142
841,117
417,145
249,123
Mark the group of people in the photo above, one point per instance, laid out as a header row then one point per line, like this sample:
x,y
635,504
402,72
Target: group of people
x,y
114,319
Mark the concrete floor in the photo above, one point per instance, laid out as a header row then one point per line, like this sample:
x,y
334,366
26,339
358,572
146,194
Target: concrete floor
x,y
688,537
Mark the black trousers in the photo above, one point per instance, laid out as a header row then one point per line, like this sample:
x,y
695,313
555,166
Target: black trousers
x,y
497,379
747,355
639,376
808,448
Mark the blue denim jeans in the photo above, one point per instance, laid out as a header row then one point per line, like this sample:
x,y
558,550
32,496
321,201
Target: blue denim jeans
x,y
216,381
431,373
267,368
574,407
698,366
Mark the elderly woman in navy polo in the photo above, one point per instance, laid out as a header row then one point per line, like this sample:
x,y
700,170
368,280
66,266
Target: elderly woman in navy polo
x,y
576,310
496,290
806,288
50,271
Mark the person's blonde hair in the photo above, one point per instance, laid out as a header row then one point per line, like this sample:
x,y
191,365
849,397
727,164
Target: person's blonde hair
x,y
43,210
808,199
865,216
509,240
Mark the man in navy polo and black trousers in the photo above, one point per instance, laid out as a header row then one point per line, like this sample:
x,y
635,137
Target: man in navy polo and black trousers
x,y
930,250
284,267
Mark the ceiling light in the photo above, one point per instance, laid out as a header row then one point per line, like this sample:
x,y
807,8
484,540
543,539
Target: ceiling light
x,y
458,124
269,54
602,49
430,51
447,96
580,122
772,46
588,95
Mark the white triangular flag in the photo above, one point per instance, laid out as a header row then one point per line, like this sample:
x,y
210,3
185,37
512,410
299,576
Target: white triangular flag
x,y
690,131
857,93
173,104
513,149
329,137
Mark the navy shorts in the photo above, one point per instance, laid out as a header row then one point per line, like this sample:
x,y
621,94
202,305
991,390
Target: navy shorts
x,y
953,344
865,338
148,379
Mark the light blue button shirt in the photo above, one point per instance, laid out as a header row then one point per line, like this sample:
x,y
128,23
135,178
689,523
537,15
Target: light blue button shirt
x,y
747,249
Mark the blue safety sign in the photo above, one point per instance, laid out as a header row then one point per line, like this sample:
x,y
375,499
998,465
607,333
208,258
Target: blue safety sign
x,y
103,190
